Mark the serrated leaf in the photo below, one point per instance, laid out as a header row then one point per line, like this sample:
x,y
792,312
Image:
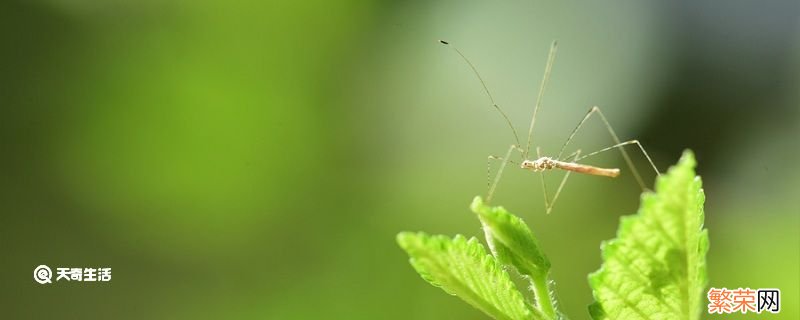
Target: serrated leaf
x,y
462,268
514,244
510,239
656,267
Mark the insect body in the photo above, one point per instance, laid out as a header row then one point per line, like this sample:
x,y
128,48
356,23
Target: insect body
x,y
547,163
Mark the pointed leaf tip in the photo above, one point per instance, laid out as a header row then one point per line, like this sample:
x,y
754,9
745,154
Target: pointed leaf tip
x,y
688,154
477,204
510,239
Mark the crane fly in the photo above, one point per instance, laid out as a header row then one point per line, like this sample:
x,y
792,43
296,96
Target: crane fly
x,y
568,163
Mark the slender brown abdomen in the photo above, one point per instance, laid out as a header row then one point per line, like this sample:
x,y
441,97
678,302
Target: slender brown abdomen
x,y
582,168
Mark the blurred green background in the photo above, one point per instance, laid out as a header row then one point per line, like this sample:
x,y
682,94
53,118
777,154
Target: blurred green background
x,y
255,159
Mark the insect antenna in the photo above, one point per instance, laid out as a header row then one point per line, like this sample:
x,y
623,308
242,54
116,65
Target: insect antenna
x,y
546,78
485,89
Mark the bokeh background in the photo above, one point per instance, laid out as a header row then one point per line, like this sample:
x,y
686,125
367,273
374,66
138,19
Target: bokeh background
x,y
255,159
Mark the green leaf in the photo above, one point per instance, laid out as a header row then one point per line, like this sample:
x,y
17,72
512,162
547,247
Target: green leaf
x,y
462,268
514,244
510,239
656,267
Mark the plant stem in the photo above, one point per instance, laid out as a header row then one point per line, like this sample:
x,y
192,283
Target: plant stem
x,y
542,291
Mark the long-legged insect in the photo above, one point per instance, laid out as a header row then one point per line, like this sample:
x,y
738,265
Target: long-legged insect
x,y
569,163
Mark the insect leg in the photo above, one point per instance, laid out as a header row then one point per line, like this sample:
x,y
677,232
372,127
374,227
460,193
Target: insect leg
x,y
617,144
493,185
549,204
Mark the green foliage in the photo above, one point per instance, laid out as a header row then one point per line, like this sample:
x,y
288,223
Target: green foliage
x,y
656,267
513,244
463,268
510,239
